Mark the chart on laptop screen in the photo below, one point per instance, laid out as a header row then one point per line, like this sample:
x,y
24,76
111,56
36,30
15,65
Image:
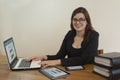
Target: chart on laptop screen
x,y
10,51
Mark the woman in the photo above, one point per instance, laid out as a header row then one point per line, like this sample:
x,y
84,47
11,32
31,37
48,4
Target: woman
x,y
79,45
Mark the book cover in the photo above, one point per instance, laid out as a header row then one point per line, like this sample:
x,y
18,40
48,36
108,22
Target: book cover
x,y
111,59
54,72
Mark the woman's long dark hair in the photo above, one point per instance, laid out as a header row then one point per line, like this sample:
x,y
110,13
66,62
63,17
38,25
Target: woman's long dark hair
x,y
89,27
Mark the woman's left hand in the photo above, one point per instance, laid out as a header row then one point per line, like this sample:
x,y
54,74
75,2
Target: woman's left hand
x,y
50,63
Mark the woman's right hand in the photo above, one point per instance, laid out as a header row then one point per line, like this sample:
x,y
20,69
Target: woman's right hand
x,y
41,57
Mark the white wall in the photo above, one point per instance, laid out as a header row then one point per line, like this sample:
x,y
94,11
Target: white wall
x,y
39,26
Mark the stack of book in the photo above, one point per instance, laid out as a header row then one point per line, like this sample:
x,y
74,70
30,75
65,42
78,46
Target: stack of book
x,y
108,65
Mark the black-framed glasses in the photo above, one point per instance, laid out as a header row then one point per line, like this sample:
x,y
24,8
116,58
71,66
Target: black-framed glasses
x,y
80,19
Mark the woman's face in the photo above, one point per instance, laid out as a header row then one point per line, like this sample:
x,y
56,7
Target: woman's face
x,y
79,22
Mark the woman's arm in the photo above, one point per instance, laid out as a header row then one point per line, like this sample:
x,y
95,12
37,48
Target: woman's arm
x,y
62,52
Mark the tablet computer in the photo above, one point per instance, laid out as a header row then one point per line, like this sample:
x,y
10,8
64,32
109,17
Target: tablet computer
x,y
74,67
54,72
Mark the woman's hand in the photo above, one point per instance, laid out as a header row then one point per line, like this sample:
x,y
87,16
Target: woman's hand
x,y
42,57
50,63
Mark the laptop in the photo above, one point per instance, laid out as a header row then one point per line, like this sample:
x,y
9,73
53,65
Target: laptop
x,y
16,63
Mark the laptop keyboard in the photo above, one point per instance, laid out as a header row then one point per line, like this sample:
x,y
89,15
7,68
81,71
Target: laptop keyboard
x,y
25,63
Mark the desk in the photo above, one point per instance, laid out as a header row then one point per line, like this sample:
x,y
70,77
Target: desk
x,y
6,74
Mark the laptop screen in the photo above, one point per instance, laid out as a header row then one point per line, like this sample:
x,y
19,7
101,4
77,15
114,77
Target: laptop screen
x,y
10,50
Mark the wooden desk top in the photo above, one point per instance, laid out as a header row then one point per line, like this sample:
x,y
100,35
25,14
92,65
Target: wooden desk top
x,y
6,74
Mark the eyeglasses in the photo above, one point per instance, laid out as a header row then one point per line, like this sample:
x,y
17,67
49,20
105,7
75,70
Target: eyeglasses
x,y
80,20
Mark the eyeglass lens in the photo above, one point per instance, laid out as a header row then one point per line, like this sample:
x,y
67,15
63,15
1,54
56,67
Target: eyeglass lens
x,y
80,19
